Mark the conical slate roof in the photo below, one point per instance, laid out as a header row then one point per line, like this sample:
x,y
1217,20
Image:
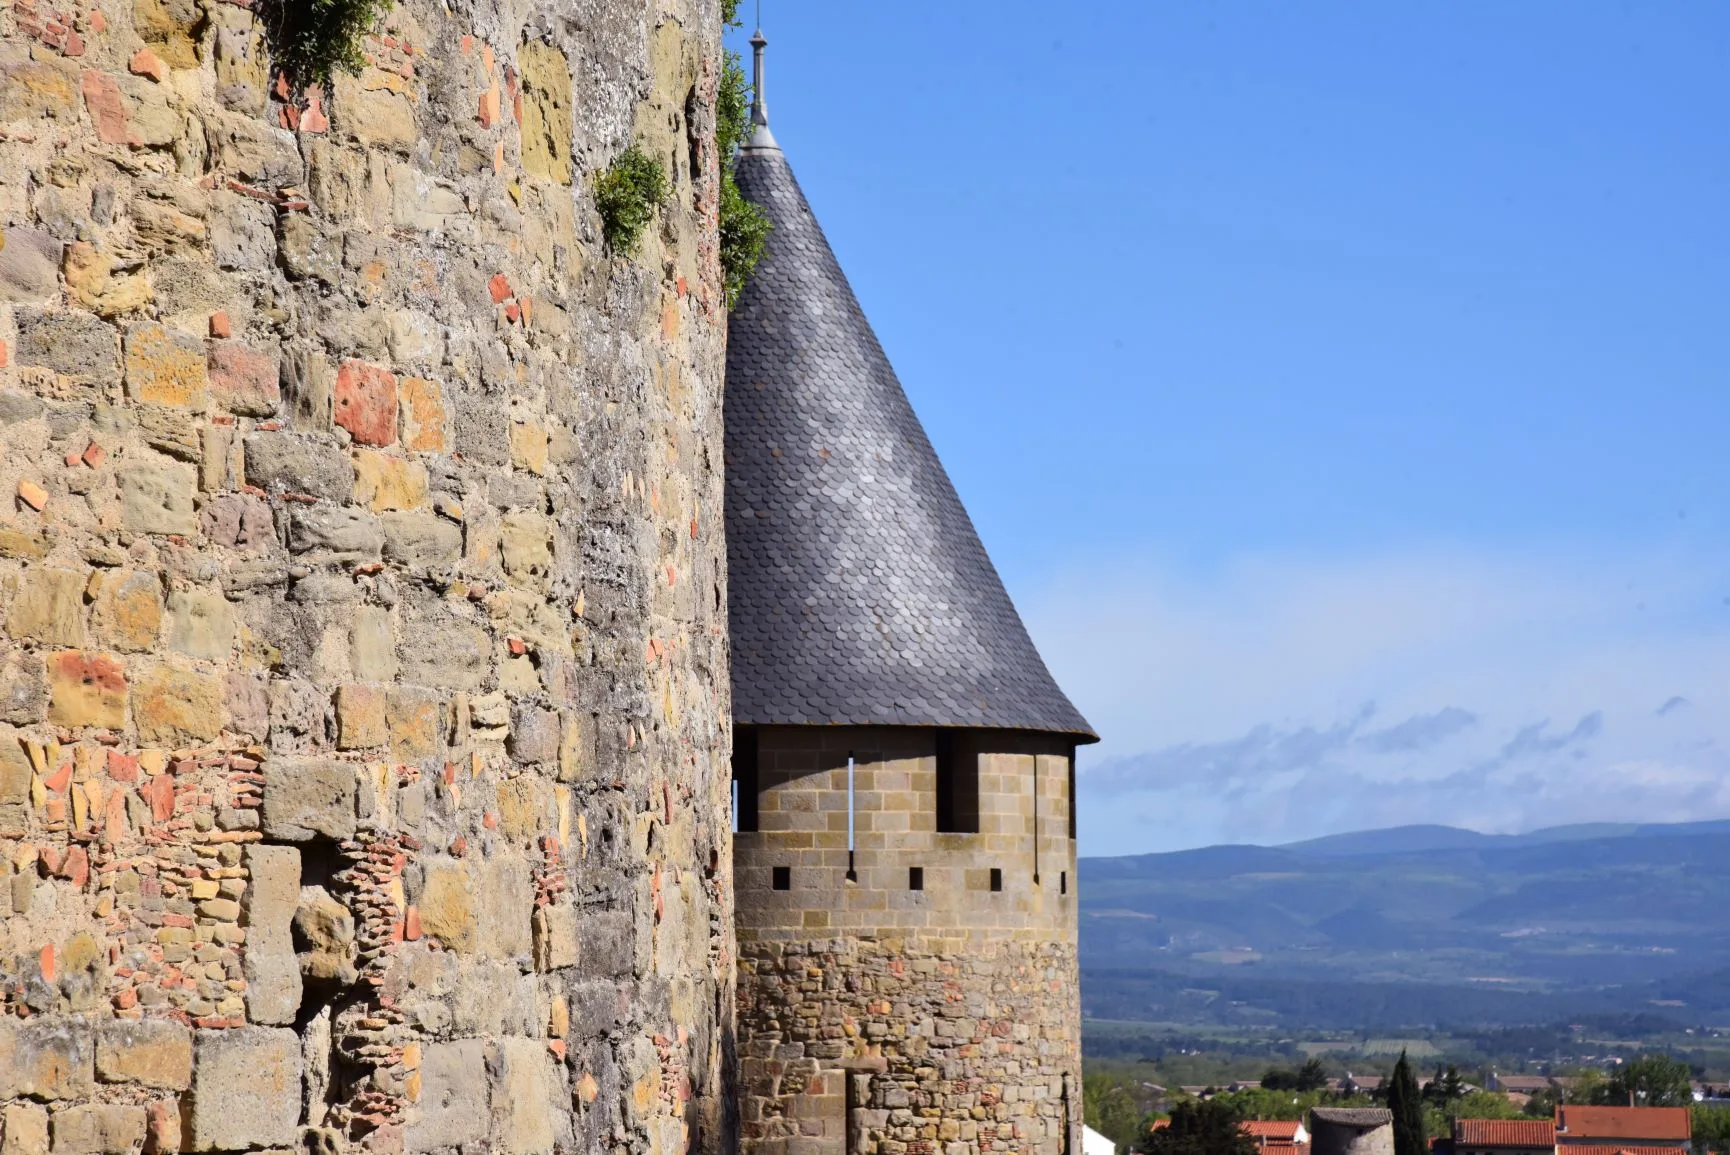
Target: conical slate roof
x,y
859,592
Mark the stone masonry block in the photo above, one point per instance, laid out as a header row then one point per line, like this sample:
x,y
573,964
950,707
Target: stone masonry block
x,y
126,609
46,1058
201,624
23,1129
175,707
364,402
246,1088
284,463
454,1105
29,265
48,605
152,1052
75,345
86,689
421,540
245,379
360,717
526,1095
383,482
98,1129
165,366
308,797
156,497
273,985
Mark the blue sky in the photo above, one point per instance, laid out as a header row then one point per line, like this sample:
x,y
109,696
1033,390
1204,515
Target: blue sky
x,y
1343,390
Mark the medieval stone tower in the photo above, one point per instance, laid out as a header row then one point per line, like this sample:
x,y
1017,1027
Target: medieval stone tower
x,y
903,763
363,703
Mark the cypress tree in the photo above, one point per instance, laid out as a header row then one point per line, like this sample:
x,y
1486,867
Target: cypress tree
x,y
1407,1104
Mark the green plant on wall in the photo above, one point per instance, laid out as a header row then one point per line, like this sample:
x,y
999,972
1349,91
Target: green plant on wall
x,y
744,228
310,40
627,195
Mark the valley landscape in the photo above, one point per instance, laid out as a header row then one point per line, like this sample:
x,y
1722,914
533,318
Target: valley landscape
x,y
1421,927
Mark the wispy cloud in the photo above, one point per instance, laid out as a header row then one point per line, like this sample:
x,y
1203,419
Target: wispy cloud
x,y
1287,698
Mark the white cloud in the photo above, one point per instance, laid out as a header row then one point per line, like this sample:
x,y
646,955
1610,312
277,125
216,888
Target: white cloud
x,y
1284,698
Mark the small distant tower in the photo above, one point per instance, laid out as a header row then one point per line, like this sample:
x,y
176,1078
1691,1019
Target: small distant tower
x,y
903,761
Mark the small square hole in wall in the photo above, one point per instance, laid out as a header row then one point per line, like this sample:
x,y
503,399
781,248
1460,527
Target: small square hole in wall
x,y
996,878
1063,882
783,878
915,878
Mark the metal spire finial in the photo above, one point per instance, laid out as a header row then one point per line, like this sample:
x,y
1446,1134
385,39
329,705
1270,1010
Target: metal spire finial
x,y
761,137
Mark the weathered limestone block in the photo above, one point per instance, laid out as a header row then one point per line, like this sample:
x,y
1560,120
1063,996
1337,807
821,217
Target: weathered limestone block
x,y
337,529
176,707
454,1109
46,1058
284,463
98,1129
527,1115
273,990
245,1089
76,345
126,609
23,688
48,606
151,1052
326,927
25,1129
156,497
29,265
306,798
360,717
421,540
201,624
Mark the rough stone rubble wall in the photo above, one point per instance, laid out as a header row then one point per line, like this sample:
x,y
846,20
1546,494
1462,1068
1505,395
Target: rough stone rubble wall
x,y
879,1020
362,632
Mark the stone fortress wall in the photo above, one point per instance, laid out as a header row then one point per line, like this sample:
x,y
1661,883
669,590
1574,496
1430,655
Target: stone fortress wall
x,y
363,686
874,1017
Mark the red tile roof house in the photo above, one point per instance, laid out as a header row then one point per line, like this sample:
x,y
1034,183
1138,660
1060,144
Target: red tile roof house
x,y
1277,1136
1623,1131
1504,1137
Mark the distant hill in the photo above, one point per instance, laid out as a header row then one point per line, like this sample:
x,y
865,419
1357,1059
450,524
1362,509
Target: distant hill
x,y
1496,928
1401,839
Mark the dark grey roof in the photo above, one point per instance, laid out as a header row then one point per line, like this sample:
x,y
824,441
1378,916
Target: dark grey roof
x,y
859,592
1367,1117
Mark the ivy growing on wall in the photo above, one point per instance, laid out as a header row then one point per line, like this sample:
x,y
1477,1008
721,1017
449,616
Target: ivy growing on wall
x,y
310,40
627,195
744,228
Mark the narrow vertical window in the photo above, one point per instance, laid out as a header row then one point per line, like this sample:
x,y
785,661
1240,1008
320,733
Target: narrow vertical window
x,y
996,879
744,778
852,867
1072,807
783,878
915,878
1036,830
1063,882
957,784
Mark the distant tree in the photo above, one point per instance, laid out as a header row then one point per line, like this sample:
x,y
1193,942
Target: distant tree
x,y
1483,1105
1445,1087
1204,1127
1654,1080
1312,1076
1407,1104
1711,1129
1110,1107
1543,1102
